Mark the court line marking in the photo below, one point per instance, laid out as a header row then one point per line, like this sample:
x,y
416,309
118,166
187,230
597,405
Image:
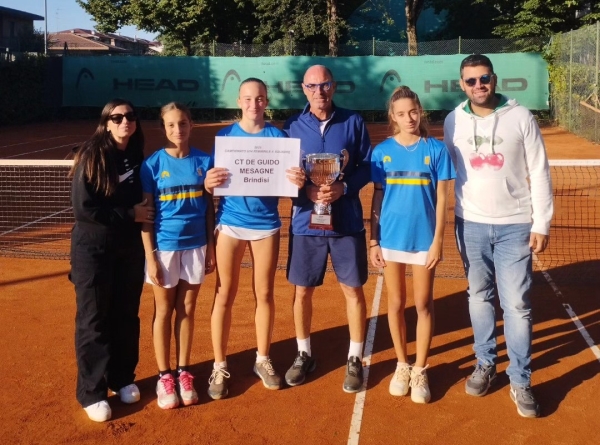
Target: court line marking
x,y
33,142
359,401
574,317
44,149
36,221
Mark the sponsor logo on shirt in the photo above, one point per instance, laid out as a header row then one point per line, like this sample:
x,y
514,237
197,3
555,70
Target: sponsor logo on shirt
x,y
125,175
165,174
387,159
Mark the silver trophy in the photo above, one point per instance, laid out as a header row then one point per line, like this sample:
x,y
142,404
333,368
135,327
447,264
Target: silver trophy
x,y
324,169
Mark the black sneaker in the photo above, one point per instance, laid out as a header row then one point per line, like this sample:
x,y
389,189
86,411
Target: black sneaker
x,y
354,375
303,364
523,397
480,381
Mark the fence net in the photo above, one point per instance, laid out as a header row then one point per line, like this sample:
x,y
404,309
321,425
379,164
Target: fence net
x,y
575,77
36,217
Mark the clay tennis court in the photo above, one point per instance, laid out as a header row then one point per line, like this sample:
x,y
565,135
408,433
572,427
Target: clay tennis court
x,y
37,310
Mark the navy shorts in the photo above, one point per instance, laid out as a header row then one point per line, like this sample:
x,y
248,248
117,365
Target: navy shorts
x,y
307,261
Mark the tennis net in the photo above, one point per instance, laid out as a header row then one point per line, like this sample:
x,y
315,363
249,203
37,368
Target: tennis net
x,y
36,217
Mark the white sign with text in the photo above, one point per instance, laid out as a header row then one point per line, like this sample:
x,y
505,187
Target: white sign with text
x,y
257,165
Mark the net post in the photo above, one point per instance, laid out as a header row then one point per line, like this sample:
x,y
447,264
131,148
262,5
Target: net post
x,y
596,86
570,80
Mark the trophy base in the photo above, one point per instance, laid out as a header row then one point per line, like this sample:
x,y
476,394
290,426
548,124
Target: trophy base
x,y
320,222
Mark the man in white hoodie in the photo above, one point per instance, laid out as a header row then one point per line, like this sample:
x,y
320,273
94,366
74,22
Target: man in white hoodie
x,y
503,211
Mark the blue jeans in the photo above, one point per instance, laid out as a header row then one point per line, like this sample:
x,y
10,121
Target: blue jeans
x,y
499,253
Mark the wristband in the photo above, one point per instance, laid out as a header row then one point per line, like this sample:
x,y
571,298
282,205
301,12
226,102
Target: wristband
x,y
374,245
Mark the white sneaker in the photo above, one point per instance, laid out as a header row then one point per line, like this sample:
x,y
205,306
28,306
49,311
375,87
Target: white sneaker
x,y
130,393
99,412
400,380
419,385
165,390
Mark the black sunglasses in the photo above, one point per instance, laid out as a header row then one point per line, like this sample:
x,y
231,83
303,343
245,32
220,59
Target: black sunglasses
x,y
483,80
118,118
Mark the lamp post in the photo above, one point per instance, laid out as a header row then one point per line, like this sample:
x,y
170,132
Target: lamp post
x,y
291,32
46,27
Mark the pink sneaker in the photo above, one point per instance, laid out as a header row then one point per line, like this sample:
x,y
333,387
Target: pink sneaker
x,y
188,394
165,390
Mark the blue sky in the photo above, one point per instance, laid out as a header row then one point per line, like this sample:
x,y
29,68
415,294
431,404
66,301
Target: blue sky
x,y
65,14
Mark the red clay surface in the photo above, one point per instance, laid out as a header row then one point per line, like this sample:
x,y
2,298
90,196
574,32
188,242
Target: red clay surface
x,y
37,309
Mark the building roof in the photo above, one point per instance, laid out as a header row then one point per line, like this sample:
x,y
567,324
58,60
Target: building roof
x,y
107,35
57,41
20,14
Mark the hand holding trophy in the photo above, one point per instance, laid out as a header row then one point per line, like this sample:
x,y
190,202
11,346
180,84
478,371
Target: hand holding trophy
x,y
323,169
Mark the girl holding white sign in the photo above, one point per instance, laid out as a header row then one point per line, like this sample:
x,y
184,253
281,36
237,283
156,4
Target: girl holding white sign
x,y
241,221
179,249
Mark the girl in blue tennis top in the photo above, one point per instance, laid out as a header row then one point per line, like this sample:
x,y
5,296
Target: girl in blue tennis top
x,y
411,172
242,221
179,248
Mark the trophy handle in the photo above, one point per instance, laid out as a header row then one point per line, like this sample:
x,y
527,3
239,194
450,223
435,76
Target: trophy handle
x,y
344,159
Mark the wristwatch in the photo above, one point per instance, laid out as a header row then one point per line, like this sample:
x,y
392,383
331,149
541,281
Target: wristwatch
x,y
345,188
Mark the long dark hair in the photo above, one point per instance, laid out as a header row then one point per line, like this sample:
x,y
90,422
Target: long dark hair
x,y
96,154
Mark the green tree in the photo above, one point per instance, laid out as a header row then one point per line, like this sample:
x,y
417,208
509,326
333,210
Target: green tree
x,y
179,22
413,9
543,18
459,18
310,22
109,15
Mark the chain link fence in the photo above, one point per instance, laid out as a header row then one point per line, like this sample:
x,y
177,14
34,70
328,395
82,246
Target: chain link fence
x,y
574,75
289,47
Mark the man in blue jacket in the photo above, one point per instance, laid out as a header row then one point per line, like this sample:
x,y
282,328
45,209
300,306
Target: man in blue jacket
x,y
324,128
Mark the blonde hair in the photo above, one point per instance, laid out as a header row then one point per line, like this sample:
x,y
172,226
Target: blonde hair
x,y
405,92
174,106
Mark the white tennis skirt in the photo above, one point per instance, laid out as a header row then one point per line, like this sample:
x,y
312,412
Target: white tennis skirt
x,y
401,256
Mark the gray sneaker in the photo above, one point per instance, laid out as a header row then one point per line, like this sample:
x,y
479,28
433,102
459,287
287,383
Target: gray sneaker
x,y
267,374
480,381
354,375
303,364
217,383
523,397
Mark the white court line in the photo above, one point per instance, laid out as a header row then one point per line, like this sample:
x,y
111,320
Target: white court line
x,y
44,149
574,318
359,402
32,142
35,222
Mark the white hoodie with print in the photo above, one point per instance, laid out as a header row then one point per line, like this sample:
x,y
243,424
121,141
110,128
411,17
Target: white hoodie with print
x,y
502,173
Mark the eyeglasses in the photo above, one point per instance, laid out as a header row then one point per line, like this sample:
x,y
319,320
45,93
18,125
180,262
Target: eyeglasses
x,y
483,80
312,87
118,118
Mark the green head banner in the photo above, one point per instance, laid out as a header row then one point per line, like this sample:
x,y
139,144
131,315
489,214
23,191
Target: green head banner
x,y
363,83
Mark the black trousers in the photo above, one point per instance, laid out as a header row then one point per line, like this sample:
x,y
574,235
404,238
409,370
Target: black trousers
x,y
108,275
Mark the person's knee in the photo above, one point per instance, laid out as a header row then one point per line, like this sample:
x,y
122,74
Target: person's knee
x,y
354,295
396,304
424,308
303,294
223,300
164,311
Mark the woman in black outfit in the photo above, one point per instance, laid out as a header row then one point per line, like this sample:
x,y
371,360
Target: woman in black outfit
x,y
107,258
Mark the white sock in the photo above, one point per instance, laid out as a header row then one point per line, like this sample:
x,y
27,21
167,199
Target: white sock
x,y
261,358
356,350
221,365
304,345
